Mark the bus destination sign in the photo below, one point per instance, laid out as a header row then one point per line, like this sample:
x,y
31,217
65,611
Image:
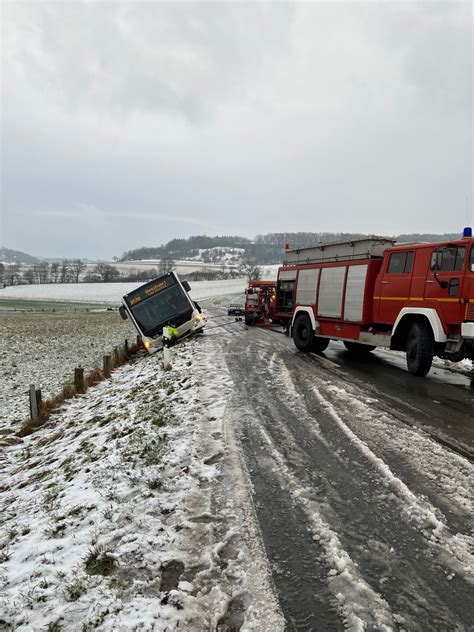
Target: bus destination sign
x,y
150,290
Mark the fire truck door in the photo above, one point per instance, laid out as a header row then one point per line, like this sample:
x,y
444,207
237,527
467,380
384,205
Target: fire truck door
x,y
445,280
396,285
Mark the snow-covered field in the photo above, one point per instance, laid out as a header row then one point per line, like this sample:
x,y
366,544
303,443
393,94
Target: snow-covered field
x,y
109,512
111,293
43,349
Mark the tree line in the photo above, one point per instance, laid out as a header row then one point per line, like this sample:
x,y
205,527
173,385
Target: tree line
x,y
72,271
66,271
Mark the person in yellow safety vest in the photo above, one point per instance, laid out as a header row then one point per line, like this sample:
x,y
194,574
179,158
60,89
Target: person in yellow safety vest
x,y
170,334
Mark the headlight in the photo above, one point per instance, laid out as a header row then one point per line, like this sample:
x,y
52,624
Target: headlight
x,y
198,317
147,344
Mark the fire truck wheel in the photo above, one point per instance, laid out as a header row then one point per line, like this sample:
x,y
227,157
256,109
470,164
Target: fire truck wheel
x,y
420,349
303,333
358,348
250,321
319,344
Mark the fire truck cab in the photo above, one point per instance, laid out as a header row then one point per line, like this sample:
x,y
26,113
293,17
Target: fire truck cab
x,y
372,292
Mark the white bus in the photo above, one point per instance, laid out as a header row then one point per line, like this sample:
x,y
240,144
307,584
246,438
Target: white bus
x,y
161,302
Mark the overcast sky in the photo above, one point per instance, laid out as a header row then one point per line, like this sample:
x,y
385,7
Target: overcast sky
x,y
128,124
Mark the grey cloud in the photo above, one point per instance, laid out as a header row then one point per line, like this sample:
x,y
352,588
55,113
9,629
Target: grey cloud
x,y
130,124
127,57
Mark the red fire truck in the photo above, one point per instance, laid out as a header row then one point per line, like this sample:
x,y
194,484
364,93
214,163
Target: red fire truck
x,y
372,292
260,303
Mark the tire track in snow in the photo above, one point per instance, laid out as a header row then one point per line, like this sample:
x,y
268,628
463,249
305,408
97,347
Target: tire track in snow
x,y
358,415
446,478
409,410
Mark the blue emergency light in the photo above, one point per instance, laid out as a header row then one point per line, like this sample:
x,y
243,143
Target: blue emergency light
x,y
467,232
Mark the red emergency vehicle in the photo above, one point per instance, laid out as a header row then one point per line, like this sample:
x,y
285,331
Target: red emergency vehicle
x,y
260,298
372,292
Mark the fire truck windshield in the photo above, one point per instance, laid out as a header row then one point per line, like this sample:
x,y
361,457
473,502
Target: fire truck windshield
x,y
169,306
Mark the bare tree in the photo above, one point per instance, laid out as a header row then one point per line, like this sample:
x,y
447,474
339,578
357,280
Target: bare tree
x,y
106,272
12,274
250,269
64,271
77,267
166,265
41,272
2,272
54,272
28,276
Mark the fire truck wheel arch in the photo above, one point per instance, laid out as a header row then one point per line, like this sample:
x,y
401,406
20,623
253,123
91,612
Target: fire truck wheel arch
x,y
430,314
304,310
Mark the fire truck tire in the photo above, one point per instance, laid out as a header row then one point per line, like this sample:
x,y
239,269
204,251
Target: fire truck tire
x,y
358,348
250,321
420,349
319,344
303,334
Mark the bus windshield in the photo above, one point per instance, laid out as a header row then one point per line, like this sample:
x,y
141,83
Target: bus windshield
x,y
168,306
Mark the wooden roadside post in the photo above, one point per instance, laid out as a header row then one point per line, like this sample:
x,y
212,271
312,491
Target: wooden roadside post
x,y
33,404
79,380
106,365
126,349
39,401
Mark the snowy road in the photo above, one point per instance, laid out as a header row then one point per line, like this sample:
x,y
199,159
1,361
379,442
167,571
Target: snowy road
x,y
363,506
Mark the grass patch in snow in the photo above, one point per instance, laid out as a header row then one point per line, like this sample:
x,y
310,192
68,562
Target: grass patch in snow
x,y
74,588
99,561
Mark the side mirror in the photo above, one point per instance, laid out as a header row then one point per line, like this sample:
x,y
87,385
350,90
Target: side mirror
x,y
442,284
123,312
186,286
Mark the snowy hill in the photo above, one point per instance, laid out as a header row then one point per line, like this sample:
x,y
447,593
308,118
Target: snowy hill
x,y
16,256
